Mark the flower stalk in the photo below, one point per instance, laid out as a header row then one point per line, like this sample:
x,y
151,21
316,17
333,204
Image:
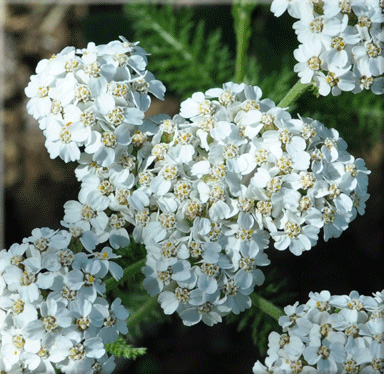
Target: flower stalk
x,y
242,12
268,307
129,272
293,94
137,316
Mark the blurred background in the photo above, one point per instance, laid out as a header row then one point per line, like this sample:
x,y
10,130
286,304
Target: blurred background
x,y
192,49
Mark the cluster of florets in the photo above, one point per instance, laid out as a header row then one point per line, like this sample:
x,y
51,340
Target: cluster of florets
x,y
53,311
342,43
205,190
329,334
92,99
223,177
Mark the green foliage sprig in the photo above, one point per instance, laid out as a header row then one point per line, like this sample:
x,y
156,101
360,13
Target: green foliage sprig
x,y
120,348
185,56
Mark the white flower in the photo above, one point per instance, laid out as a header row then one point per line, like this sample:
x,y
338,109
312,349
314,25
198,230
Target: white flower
x,y
38,91
296,8
310,62
369,57
336,80
114,322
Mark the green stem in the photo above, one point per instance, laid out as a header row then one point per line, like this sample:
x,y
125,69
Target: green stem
x,y
294,93
129,271
242,12
268,308
135,317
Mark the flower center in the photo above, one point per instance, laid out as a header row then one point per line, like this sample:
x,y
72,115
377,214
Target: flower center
x,y
159,150
49,323
364,21
18,341
93,70
42,91
264,207
351,367
169,249
116,116
142,218
106,187
292,229
77,352
366,82
210,269
206,107
332,80
226,98
182,294
66,257
109,139
65,135
230,151
88,118
373,50
328,215
317,25
167,220
247,264
71,65
324,352
307,180
205,308
345,7
141,86
182,189
18,306
314,63
83,93
338,43
110,320
231,288
169,172
87,213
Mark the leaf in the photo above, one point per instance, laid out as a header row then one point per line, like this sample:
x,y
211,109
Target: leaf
x,y
120,348
185,56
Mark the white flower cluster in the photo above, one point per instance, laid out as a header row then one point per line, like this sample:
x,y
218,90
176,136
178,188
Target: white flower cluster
x,y
203,191
53,311
92,99
329,334
223,177
342,43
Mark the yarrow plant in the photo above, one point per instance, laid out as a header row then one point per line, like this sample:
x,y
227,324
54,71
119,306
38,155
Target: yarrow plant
x,y
229,174
53,311
92,99
205,193
341,43
329,334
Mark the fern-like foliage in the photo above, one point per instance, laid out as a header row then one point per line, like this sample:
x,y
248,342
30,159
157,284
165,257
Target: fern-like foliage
x,y
253,318
185,56
120,348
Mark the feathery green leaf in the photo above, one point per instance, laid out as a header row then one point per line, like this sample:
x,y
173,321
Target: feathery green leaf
x,y
185,56
120,348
